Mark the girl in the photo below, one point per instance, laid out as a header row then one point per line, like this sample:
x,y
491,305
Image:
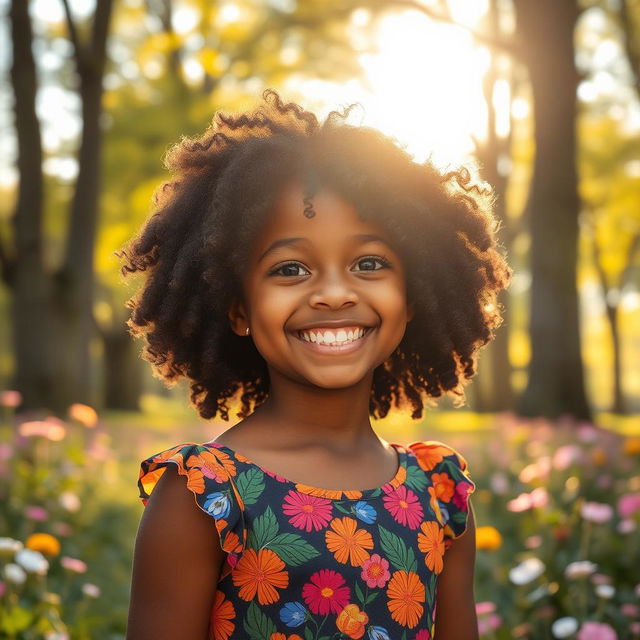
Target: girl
x,y
320,276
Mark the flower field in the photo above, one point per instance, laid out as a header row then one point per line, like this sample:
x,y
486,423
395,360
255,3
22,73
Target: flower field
x,y
557,508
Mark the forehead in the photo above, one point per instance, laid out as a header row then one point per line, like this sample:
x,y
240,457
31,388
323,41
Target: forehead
x,y
334,219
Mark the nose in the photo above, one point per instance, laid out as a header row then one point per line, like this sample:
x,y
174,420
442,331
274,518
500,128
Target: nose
x,y
333,290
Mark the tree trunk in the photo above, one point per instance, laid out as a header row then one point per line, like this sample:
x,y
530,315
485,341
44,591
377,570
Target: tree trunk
x,y
123,370
556,381
73,307
34,375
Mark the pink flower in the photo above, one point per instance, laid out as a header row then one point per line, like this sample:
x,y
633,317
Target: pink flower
x,y
404,506
10,399
565,456
73,564
537,498
306,511
33,512
423,634
326,592
375,571
628,504
597,512
596,631
49,429
485,607
461,495
489,623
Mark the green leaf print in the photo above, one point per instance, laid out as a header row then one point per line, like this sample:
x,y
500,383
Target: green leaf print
x,y
250,485
416,479
257,624
398,554
359,593
308,634
371,597
265,529
293,549
343,509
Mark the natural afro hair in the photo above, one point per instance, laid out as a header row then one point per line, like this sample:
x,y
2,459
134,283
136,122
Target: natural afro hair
x,y
193,251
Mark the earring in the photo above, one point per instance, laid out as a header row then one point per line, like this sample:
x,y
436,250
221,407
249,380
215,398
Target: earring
x,y
246,333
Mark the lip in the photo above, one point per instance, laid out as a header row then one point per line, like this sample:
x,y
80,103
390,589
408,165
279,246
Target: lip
x,y
340,349
334,324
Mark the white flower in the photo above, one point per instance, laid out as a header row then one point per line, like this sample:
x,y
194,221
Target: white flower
x,y
9,546
606,591
14,573
580,569
626,526
70,501
526,571
32,561
56,635
564,627
91,590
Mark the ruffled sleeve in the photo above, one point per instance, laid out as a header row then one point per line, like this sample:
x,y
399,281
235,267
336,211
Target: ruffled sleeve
x,y
209,473
450,485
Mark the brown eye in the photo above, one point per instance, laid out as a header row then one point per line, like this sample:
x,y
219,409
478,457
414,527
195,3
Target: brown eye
x,y
286,270
371,260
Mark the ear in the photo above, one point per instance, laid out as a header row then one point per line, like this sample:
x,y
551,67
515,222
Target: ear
x,y
411,311
238,318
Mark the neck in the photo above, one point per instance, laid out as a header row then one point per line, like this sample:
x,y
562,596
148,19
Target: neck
x,y
306,416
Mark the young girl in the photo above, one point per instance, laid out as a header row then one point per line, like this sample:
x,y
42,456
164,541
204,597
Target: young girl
x,y
321,277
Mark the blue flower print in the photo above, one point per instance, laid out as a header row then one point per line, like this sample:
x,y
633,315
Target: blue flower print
x,y
365,512
378,633
293,614
218,505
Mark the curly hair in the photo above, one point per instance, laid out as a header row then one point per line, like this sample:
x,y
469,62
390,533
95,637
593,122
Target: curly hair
x,y
194,246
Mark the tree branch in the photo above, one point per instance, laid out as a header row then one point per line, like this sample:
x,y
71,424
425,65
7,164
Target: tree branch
x,y
73,36
632,51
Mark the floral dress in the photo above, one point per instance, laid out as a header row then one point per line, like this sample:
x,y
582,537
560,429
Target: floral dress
x,y
304,563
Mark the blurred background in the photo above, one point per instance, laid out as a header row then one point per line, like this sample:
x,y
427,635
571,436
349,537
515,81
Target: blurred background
x,y
541,97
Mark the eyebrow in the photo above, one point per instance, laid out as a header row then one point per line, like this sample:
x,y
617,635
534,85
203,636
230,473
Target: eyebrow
x,y
360,237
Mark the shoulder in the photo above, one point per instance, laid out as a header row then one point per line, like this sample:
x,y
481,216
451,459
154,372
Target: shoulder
x,y
432,453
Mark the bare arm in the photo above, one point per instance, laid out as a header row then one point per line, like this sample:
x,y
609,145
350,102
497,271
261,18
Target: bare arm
x,y
456,608
176,565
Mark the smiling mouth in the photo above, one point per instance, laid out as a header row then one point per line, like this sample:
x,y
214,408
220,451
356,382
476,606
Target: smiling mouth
x,y
335,346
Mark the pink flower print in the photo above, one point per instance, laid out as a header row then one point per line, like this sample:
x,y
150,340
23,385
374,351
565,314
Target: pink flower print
x,y
404,506
276,476
326,592
461,495
375,571
423,634
306,511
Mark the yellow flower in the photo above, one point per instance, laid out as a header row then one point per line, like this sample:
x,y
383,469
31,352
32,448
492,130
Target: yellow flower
x,y
488,538
44,543
84,414
599,456
631,446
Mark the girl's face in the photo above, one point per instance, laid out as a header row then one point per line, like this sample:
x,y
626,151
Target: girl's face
x,y
332,275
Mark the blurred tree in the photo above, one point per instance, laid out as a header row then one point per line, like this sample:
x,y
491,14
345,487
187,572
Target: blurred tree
x,y
610,188
555,385
52,317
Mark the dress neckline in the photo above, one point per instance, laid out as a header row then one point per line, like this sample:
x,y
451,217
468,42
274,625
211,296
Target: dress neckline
x,y
331,494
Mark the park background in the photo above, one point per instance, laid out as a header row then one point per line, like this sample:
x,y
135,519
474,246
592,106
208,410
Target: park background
x,y
543,97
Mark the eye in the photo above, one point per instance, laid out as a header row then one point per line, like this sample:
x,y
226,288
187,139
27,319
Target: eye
x,y
370,260
279,270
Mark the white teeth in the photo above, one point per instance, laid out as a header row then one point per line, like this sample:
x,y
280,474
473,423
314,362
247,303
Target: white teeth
x,y
330,338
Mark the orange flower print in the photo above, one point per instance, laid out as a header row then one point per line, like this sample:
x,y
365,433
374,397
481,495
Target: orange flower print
x,y
444,486
218,465
435,505
405,592
221,617
431,543
351,621
195,480
430,454
280,636
260,572
347,542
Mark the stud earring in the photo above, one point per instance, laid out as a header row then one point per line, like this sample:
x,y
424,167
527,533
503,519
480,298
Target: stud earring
x,y
246,333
